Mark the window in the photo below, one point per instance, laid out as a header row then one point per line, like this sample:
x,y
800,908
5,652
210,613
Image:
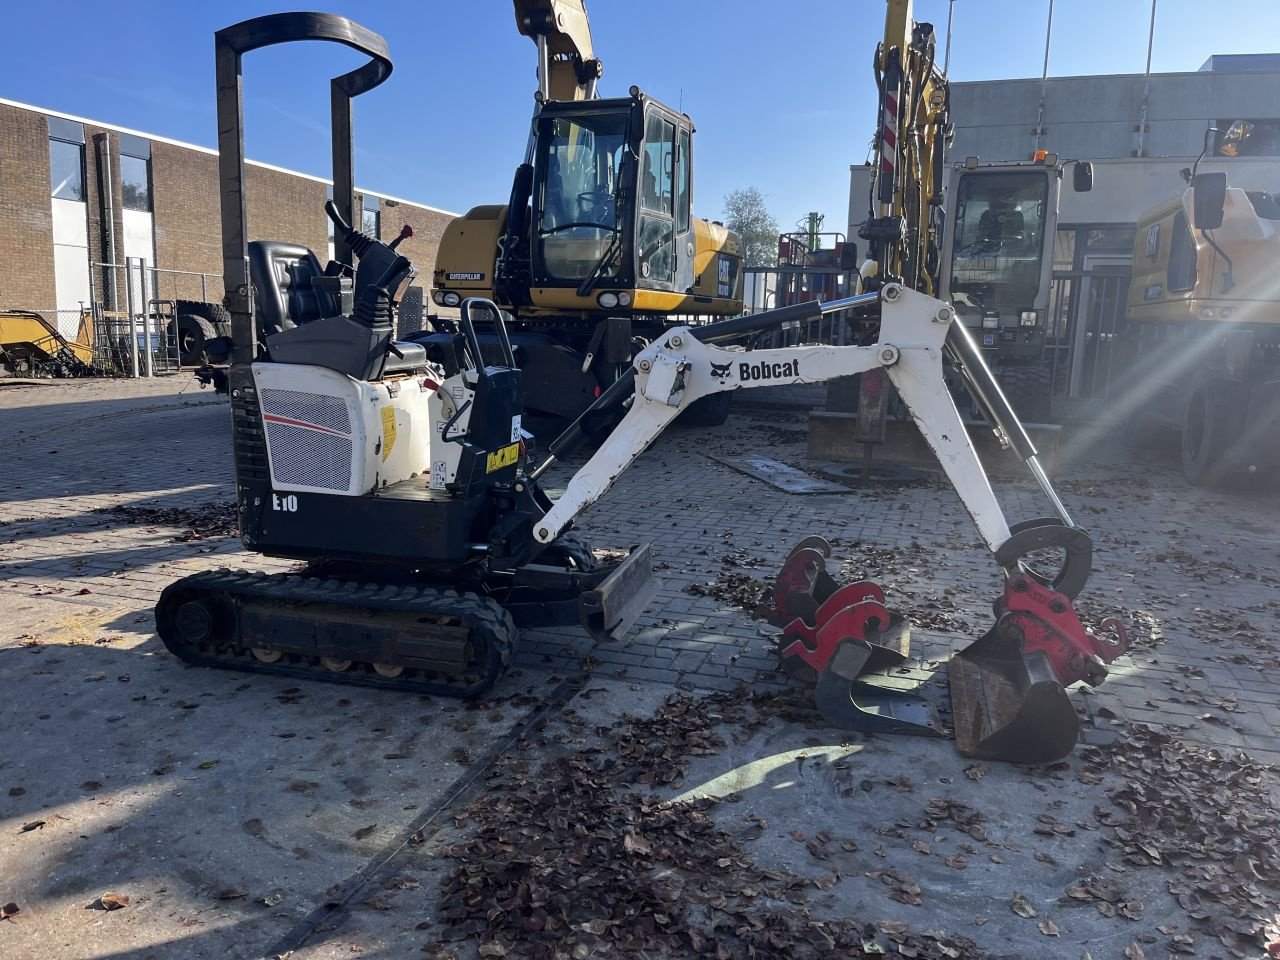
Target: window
x,y
658,173
1064,249
575,205
1182,257
135,181
684,174
1110,238
66,170
999,224
656,254
371,217
1248,138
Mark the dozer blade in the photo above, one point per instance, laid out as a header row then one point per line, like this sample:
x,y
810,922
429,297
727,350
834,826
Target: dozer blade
x,y
608,611
850,704
1007,706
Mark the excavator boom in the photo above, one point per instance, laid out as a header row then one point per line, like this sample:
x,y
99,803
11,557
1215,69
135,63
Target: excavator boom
x,y
567,66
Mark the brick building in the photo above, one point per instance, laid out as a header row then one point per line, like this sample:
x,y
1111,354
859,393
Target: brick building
x,y
78,195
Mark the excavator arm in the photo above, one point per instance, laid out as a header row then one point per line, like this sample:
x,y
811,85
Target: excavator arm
x,y
567,66
904,228
1008,689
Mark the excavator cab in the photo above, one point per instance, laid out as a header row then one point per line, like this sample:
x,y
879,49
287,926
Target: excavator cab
x,y
600,218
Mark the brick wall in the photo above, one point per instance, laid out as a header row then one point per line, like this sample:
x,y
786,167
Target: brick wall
x,y
428,226
184,182
184,199
26,223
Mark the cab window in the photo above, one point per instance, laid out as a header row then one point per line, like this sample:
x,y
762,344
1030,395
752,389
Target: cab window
x,y
684,170
1182,257
655,232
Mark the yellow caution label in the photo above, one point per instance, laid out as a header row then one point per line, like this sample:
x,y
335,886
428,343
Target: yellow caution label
x,y
388,431
502,457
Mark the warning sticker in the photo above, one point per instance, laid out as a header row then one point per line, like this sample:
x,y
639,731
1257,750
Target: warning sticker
x,y
502,457
388,431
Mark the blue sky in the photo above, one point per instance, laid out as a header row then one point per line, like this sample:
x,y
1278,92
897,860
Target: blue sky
x,y
781,93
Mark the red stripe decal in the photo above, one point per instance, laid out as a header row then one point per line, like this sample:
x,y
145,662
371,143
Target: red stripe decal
x,y
299,423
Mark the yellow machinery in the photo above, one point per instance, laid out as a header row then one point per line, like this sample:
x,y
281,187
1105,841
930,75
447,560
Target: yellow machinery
x,y
904,232
30,346
598,244
1204,311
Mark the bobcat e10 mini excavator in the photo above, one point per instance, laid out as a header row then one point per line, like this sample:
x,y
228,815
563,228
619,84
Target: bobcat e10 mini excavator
x,y
408,487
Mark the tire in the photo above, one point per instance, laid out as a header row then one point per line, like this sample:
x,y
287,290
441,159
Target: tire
x,y
570,551
1027,388
215,313
709,411
192,334
1206,434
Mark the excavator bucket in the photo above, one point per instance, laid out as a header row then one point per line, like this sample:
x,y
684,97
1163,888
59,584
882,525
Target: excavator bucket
x,y
1008,690
1009,707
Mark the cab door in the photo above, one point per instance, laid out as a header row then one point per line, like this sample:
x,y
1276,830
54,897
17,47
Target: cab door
x,y
685,244
656,250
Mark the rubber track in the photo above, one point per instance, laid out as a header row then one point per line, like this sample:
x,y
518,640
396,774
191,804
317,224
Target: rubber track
x,y
479,613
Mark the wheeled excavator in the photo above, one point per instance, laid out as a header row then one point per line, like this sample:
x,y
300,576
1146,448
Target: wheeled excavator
x,y
597,250
406,486
1204,317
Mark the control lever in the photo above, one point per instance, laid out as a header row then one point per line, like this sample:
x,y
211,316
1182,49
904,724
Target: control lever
x,y
405,233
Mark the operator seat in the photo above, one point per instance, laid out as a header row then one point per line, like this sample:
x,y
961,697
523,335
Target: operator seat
x,y
301,323
282,275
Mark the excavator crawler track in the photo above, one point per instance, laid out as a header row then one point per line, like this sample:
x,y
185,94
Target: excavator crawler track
x,y
412,637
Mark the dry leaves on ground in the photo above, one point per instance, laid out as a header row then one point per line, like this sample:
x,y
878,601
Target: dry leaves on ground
x,y
1207,814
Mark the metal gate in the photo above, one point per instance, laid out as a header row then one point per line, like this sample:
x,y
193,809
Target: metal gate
x,y
134,306
1086,323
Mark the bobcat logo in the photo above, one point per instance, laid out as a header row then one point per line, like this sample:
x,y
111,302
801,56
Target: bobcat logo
x,y
722,371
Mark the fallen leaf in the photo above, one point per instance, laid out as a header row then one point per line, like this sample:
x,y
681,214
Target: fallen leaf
x,y
17,791
1048,928
492,949
975,771
826,881
1134,952
274,897
207,765
1022,907
365,831
633,843
113,901
921,847
232,893
33,825
9,910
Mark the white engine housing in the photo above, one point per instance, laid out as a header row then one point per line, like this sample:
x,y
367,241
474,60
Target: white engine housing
x,y
328,433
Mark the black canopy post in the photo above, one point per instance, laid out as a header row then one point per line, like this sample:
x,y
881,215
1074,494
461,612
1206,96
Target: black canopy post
x,y
229,45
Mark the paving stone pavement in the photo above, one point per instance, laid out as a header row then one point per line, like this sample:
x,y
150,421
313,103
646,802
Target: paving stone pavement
x,y
231,808
1199,567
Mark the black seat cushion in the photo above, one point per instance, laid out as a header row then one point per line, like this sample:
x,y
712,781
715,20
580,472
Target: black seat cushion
x,y
282,275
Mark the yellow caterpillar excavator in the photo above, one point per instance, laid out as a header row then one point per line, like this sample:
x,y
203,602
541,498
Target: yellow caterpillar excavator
x,y
597,248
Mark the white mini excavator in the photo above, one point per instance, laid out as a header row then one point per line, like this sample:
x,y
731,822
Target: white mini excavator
x,y
407,487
